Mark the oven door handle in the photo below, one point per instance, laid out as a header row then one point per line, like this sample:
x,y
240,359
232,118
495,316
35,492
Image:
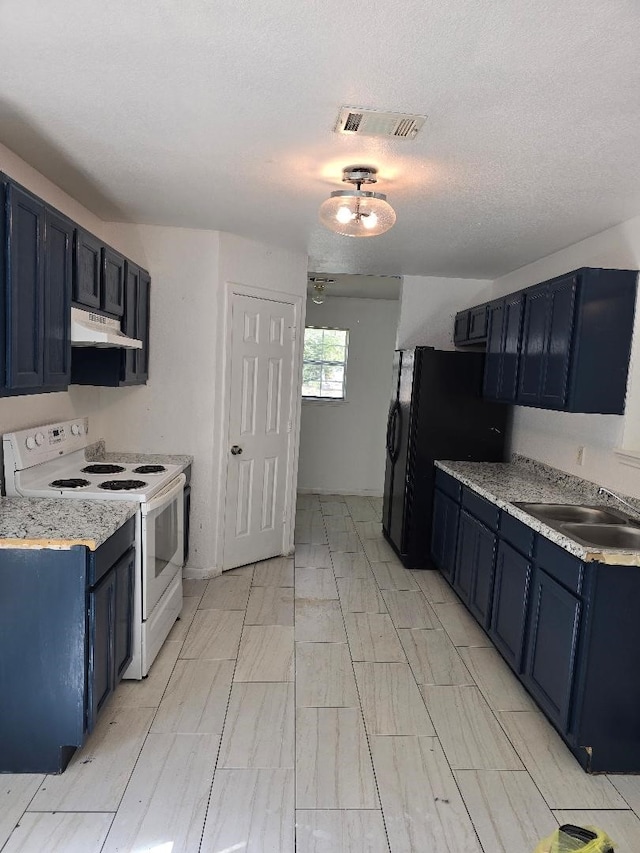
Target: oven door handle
x,y
165,497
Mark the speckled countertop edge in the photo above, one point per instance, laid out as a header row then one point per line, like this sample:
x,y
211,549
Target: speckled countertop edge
x,y
525,480
97,452
60,524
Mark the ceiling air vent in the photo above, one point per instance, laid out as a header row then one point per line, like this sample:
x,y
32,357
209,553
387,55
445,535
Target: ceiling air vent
x,y
375,123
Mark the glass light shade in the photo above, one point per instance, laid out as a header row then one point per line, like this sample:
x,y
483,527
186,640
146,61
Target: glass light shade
x,y
370,214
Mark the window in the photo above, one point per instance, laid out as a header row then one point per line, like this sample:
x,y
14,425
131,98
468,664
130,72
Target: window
x,y
324,364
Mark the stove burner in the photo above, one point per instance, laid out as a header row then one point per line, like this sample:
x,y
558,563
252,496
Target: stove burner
x,y
122,485
75,483
102,469
149,469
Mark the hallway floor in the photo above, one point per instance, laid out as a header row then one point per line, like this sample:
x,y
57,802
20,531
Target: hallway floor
x,y
344,705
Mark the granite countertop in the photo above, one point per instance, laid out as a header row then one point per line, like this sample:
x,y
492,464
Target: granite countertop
x,y
97,453
60,524
525,480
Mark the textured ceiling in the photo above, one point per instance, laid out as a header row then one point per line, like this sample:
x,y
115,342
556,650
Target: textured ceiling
x,y
219,115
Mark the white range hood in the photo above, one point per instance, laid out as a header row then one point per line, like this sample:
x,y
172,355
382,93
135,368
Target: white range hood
x,y
94,330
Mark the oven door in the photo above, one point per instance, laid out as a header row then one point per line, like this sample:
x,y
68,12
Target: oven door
x,y
162,542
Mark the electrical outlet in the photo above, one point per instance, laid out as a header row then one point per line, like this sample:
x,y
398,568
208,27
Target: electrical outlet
x,y
580,454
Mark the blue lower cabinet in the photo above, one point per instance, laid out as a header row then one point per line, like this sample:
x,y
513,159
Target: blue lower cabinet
x,y
552,648
466,556
473,579
510,604
444,533
482,589
101,646
65,643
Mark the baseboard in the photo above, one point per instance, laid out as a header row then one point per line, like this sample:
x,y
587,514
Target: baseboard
x,y
191,573
364,493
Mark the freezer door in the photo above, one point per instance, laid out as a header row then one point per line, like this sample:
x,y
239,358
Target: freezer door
x,y
390,441
400,451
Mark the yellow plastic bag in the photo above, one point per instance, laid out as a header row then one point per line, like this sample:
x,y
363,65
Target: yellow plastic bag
x,y
561,842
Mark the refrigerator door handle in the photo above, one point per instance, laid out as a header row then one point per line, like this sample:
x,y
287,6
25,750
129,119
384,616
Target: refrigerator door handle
x,y
395,451
391,426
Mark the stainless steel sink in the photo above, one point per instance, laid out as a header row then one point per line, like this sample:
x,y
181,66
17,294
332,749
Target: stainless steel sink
x,y
605,535
575,513
593,526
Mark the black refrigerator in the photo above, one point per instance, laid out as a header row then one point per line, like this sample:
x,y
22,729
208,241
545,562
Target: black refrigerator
x,y
437,412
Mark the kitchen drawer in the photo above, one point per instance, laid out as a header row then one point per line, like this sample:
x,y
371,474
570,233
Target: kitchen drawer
x,y
559,564
481,508
448,484
517,534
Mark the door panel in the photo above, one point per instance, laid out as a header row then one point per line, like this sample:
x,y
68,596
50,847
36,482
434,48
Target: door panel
x,y
533,339
511,596
493,363
512,337
58,270
123,623
553,640
87,269
101,645
466,555
482,589
25,367
558,343
261,387
130,321
113,272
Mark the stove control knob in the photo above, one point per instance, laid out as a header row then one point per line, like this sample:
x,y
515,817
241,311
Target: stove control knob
x,y
30,442
75,429
39,439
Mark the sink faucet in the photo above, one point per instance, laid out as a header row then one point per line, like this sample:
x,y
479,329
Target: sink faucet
x,y
603,491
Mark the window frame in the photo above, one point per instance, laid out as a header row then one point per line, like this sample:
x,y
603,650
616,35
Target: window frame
x,y
309,398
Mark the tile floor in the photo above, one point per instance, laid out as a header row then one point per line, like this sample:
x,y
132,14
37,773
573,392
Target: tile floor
x,y
345,704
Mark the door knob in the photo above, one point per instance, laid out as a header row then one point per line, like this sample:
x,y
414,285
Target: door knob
x,y
235,450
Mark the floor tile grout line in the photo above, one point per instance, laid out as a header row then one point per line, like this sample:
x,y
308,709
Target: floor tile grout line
x,y
366,733
224,722
420,591
146,737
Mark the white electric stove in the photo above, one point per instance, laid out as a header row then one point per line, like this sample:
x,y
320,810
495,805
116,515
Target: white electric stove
x,y
49,461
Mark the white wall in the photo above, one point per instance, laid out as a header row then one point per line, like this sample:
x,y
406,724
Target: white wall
x,y
179,410
342,443
554,437
428,306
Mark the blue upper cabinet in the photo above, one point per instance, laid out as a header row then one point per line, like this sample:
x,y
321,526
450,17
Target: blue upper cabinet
x,y
87,273
58,271
564,344
35,279
112,291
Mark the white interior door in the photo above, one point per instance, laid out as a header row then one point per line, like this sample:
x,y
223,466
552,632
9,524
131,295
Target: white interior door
x,y
262,345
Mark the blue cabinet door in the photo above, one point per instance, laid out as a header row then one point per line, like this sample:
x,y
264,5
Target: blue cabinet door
x,y
533,346
112,282
58,270
444,533
557,345
553,641
130,322
87,269
510,601
123,619
466,555
510,350
481,596
101,646
25,290
493,361
144,316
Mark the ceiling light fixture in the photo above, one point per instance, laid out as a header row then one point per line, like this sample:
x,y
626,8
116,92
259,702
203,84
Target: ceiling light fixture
x,y
357,213
319,285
